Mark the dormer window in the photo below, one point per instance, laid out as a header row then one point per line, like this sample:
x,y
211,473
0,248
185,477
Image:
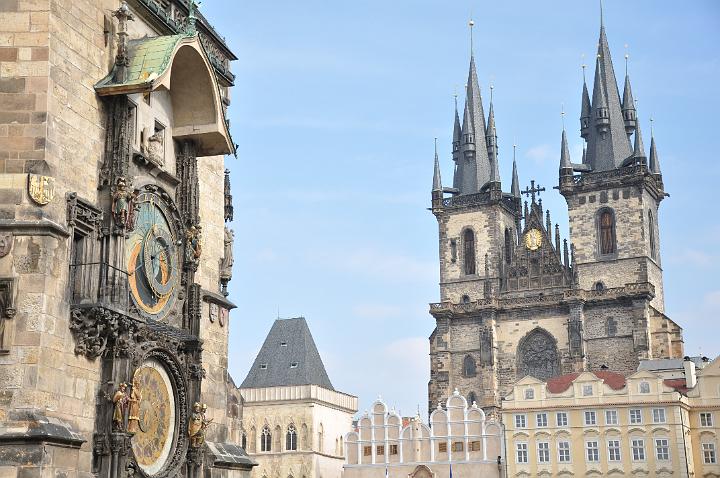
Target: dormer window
x,y
293,364
529,394
283,344
587,390
644,387
263,366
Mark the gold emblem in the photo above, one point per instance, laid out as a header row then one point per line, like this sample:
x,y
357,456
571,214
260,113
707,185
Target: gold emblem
x,y
41,188
533,239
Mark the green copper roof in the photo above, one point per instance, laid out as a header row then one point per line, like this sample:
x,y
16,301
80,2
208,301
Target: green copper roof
x,y
149,58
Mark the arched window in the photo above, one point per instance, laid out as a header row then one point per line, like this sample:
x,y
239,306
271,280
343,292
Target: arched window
x,y
243,441
469,368
599,286
465,299
321,438
291,438
508,246
469,251
472,398
606,223
304,437
341,452
651,227
611,327
266,439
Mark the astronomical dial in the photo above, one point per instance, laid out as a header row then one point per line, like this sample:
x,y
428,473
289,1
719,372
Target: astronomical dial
x,y
533,239
152,258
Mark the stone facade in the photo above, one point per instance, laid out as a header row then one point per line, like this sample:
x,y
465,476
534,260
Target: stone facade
x,y
74,156
516,299
459,442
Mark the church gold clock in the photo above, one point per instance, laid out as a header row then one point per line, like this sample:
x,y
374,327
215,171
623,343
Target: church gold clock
x,y
533,239
153,440
152,257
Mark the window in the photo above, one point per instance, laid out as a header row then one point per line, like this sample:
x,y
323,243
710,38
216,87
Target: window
x,y
599,286
662,449
453,251
469,251
614,450
529,394
611,417
476,446
651,229
644,387
291,438
587,390
607,232
146,97
520,421
521,452
380,450
469,368
635,416
393,449
283,344
508,247
610,327
543,452
709,457
266,439
564,452
658,415
442,447
472,398
367,450
263,366
561,419
541,420
592,452
465,299
293,364
457,446
590,417
637,445
243,441
706,419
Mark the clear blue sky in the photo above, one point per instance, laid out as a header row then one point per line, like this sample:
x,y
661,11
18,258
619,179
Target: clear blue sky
x,y
335,108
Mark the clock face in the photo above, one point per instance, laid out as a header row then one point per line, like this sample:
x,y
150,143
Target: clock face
x,y
533,239
153,440
152,258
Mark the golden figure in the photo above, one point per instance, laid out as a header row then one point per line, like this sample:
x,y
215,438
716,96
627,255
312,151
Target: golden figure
x,y
134,408
197,425
120,400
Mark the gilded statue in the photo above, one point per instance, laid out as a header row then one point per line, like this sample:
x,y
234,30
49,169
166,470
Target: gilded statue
x,y
120,401
193,243
197,425
134,400
122,204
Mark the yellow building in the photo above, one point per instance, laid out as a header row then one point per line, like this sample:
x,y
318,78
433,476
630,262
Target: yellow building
x,y
599,424
703,398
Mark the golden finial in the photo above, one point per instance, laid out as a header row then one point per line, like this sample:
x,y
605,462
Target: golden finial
x,y
471,24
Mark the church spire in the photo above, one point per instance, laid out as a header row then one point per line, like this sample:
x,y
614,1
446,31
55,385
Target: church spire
x,y
515,185
585,111
628,105
639,149
565,163
654,160
457,142
607,142
437,182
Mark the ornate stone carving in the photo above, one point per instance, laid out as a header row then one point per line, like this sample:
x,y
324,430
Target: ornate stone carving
x,y
193,246
538,355
95,329
197,425
228,198
41,189
6,243
575,337
134,402
486,346
227,261
7,310
123,208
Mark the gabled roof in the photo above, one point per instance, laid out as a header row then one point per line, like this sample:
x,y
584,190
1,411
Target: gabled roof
x,y
297,362
561,383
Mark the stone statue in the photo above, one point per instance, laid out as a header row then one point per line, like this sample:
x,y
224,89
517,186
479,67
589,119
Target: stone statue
x,y
227,261
122,205
120,400
134,400
155,149
197,425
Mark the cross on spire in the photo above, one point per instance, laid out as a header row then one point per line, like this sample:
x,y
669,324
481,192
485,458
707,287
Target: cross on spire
x,y
532,190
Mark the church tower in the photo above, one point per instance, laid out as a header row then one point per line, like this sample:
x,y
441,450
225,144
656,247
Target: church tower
x,y
516,300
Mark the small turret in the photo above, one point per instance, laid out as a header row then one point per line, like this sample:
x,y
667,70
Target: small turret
x,y
437,190
491,134
585,113
515,185
639,148
654,160
628,108
600,104
457,135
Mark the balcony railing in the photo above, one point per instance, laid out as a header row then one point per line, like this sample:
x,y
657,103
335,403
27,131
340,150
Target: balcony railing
x,y
99,283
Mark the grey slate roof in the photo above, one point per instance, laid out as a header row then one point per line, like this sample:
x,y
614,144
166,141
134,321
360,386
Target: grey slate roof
x,y
277,358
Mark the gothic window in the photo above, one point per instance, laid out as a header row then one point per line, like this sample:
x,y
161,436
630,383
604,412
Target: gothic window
x,y
291,438
599,286
508,247
606,232
266,439
304,437
611,327
469,251
465,299
243,442
537,356
651,229
321,438
472,398
469,368
453,251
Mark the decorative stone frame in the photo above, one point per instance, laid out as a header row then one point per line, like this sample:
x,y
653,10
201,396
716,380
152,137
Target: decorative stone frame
x,y
598,243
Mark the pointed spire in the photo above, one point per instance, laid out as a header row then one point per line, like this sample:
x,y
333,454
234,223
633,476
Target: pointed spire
x,y
584,156
557,239
599,103
515,185
475,109
639,149
565,162
654,160
628,106
491,133
457,131
437,182
585,109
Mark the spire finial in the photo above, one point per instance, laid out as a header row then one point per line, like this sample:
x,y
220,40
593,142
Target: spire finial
x,y
652,133
471,24
436,155
190,27
602,23
562,114
455,95
627,56
492,87
583,66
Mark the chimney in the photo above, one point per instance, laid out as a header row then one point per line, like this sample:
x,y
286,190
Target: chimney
x,y
690,375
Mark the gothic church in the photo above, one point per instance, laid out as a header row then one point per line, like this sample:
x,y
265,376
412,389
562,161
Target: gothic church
x,y
515,298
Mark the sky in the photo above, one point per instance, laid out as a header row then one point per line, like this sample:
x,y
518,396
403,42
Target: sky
x,y
335,108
